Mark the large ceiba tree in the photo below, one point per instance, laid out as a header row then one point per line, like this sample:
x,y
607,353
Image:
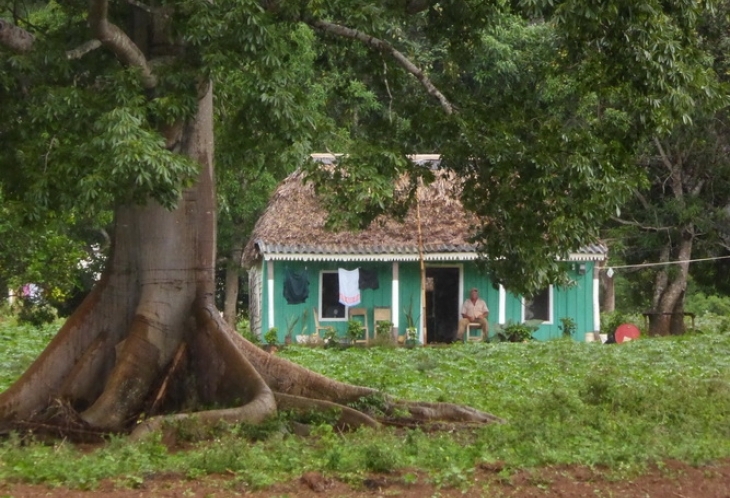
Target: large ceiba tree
x,y
112,104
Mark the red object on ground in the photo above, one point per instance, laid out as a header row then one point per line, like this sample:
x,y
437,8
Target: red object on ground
x,y
627,332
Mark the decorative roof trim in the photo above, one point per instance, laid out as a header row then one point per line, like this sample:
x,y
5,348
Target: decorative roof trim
x,y
443,256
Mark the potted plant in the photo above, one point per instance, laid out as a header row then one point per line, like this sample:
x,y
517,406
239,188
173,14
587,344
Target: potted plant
x,y
354,331
411,337
383,329
330,337
568,326
271,337
411,330
517,332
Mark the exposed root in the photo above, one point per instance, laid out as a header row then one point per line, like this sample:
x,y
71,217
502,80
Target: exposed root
x,y
259,401
44,379
255,412
422,412
162,391
57,420
349,418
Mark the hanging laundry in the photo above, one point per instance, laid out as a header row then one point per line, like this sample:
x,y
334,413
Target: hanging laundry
x,y
296,286
369,279
349,286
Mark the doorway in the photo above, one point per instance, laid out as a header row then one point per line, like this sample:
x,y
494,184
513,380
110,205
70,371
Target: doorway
x,y
442,304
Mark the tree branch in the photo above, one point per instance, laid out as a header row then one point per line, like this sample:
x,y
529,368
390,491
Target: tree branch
x,y
112,37
383,46
663,155
83,49
15,38
647,228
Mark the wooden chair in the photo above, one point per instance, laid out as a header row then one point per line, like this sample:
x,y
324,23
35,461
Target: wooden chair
x,y
354,313
381,314
469,336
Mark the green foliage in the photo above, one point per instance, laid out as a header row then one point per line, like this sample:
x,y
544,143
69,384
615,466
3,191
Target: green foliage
x,y
568,326
19,346
383,335
330,337
383,328
373,405
35,312
355,330
411,319
611,321
271,337
567,402
702,304
596,78
516,332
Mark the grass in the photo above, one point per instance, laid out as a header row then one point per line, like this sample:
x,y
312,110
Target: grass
x,y
623,406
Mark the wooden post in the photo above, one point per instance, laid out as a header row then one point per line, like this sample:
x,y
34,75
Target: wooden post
x,y
423,264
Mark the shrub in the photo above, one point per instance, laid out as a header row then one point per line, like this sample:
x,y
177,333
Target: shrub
x,y
272,336
36,313
568,326
354,330
515,332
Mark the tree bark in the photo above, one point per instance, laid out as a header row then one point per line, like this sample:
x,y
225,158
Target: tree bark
x,y
667,313
233,273
15,38
608,296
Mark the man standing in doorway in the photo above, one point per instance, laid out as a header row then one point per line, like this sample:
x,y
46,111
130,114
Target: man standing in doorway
x,y
474,310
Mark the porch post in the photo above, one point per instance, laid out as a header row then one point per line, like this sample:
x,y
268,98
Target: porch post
x,y
395,301
270,292
596,299
502,304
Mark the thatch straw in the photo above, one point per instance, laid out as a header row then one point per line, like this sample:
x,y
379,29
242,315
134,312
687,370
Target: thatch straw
x,y
294,217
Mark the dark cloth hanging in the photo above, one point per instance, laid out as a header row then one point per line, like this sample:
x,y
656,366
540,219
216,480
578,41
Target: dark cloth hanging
x,y
368,279
296,286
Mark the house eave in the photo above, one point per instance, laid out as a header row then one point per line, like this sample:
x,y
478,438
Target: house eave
x,y
450,256
391,257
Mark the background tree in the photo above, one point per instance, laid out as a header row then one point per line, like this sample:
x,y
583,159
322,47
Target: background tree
x,y
680,212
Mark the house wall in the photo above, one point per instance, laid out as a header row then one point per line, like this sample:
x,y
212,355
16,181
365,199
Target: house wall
x,y
575,302
298,319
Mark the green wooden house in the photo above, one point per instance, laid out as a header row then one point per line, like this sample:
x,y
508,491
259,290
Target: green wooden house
x,y
294,268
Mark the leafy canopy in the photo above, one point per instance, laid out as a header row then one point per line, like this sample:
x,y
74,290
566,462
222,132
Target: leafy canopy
x,y
537,104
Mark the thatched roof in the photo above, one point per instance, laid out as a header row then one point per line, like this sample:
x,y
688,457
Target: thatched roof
x,y
292,227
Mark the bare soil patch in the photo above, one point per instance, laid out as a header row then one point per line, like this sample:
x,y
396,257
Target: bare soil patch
x,y
671,479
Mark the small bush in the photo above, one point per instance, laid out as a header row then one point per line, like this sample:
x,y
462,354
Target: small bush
x,y
272,336
701,304
37,313
377,458
515,332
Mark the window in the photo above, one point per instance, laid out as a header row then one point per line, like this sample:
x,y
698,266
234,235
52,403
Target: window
x,y
539,307
329,296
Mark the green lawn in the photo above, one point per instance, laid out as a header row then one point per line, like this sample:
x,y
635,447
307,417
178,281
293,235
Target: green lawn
x,y
623,406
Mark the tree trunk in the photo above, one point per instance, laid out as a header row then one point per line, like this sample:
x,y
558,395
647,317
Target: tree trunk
x,y
667,313
233,273
608,296
148,338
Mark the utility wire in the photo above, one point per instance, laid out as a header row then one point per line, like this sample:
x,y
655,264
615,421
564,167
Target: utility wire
x,y
643,265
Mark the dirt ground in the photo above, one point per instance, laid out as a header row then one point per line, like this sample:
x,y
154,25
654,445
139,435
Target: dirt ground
x,y
671,480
